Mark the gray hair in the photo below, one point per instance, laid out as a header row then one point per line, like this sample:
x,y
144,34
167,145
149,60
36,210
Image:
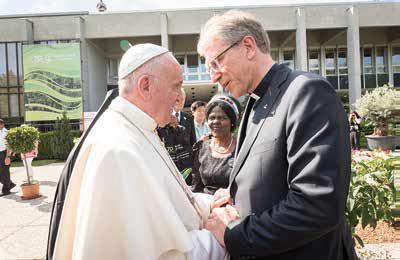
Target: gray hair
x,y
152,67
232,26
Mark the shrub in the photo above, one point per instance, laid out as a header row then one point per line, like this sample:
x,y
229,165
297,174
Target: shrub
x,y
22,140
46,146
377,106
372,190
62,142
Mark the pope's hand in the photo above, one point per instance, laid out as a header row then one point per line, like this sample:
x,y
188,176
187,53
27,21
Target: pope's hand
x,y
219,219
221,197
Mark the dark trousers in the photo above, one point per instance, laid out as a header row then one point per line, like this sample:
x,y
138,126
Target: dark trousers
x,y
4,174
355,140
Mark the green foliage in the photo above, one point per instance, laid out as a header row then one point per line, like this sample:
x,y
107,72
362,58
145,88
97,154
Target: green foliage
x,y
372,190
63,141
377,106
45,146
22,140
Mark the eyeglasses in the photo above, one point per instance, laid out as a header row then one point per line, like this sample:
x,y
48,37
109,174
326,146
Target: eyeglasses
x,y
214,65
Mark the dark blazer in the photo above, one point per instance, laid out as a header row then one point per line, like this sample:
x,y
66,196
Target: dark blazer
x,y
63,183
186,120
291,174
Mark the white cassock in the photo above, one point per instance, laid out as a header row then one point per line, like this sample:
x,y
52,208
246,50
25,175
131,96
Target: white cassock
x,y
123,201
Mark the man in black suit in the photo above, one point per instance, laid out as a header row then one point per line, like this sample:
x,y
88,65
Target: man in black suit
x,y
290,180
185,119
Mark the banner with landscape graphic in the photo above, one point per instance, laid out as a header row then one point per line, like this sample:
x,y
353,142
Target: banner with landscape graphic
x,y
52,81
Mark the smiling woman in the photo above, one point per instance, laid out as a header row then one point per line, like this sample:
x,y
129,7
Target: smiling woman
x,y
213,157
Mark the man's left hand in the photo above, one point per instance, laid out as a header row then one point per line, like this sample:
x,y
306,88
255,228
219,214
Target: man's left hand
x,y
7,161
219,220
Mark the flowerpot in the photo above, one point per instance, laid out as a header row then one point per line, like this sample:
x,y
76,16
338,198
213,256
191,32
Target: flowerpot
x,y
30,191
381,142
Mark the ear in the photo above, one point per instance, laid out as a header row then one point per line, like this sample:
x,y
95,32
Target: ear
x,y
144,87
250,45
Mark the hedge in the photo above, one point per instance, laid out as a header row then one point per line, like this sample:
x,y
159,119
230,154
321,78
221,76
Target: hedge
x,y
45,144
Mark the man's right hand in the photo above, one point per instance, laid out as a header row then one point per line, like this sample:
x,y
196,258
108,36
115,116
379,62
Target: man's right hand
x,y
221,197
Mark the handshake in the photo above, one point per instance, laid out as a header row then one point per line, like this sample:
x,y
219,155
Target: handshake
x,y
222,213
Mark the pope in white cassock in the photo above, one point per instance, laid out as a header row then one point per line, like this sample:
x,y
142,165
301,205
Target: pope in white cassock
x,y
126,199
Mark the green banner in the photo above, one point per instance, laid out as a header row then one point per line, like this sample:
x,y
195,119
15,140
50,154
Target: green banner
x,y
52,81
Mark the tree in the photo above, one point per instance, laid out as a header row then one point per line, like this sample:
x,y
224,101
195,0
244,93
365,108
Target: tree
x,y
63,142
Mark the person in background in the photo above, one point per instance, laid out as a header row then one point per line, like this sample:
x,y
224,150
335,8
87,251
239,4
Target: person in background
x,y
177,142
201,127
213,158
354,121
5,162
184,119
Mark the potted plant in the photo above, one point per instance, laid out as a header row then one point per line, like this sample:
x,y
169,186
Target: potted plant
x,y
377,106
23,140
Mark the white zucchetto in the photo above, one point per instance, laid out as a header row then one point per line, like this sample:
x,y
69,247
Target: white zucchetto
x,y
138,55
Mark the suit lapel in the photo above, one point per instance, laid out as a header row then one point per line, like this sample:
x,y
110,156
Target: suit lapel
x,y
263,108
242,127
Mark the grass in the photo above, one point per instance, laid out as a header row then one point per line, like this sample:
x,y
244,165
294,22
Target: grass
x,y
35,163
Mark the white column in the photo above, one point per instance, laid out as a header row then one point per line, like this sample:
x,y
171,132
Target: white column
x,y
353,56
389,64
301,40
164,30
322,59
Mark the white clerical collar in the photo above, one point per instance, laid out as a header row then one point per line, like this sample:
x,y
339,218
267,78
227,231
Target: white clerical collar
x,y
255,96
133,113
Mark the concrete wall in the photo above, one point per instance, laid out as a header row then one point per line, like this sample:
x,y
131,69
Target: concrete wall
x,y
56,27
13,30
96,88
111,25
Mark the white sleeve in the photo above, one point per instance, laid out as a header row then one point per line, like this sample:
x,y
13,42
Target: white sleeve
x,y
206,247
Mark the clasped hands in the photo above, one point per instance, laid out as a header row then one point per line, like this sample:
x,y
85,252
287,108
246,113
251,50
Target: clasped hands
x,y
221,215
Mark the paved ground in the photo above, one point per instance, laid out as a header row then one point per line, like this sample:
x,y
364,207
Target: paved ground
x,y
24,224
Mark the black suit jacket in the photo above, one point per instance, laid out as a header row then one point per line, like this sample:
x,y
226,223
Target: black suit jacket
x,y
63,183
291,174
186,120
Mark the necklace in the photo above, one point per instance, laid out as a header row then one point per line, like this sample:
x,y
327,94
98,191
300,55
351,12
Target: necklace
x,y
221,150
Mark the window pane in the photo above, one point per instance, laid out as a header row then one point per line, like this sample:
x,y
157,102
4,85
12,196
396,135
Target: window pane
x,y
12,64
344,82
313,62
330,63
3,105
383,79
193,77
20,69
395,57
205,77
396,79
203,64
14,110
3,75
381,59
21,103
288,59
368,65
192,63
370,81
181,60
333,80
342,59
